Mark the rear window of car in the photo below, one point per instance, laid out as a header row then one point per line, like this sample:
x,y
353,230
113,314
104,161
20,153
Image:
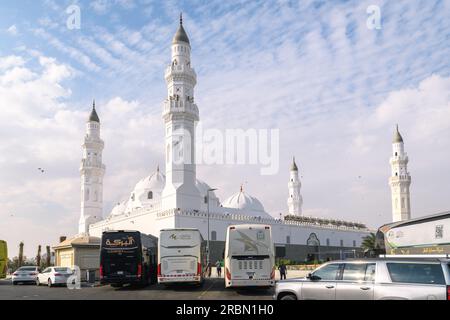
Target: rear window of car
x,y
27,269
62,270
416,273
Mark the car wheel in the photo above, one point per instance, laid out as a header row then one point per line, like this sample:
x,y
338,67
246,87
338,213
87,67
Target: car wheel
x,y
37,282
288,297
14,283
49,283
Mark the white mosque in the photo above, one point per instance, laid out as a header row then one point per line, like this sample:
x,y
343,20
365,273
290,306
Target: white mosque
x,y
176,198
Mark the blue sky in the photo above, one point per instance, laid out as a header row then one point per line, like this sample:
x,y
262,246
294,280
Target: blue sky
x,y
312,69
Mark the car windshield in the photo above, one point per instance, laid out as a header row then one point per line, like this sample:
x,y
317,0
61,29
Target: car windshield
x,y
66,270
27,269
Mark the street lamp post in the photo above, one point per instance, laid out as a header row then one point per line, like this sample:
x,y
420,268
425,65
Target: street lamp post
x,y
207,244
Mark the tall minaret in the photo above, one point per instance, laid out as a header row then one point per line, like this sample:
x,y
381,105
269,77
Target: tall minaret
x,y
295,200
92,171
180,116
400,180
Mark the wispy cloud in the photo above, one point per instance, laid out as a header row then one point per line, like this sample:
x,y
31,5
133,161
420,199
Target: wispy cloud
x,y
334,88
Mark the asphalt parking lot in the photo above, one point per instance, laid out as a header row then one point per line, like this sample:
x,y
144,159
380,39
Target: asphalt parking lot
x,y
213,289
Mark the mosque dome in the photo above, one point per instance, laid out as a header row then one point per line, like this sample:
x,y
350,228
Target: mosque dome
x,y
147,191
246,203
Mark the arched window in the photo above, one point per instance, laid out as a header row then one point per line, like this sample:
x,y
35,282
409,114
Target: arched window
x,y
328,242
313,240
206,199
132,197
86,194
342,243
288,239
150,195
95,196
213,235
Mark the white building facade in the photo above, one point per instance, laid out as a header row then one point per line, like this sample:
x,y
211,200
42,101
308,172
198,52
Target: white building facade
x,y
400,180
177,199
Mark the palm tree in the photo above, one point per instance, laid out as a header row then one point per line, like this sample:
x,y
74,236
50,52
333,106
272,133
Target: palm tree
x,y
369,243
48,256
38,257
20,254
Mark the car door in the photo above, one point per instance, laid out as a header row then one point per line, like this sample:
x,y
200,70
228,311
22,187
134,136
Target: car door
x,y
356,281
43,277
321,284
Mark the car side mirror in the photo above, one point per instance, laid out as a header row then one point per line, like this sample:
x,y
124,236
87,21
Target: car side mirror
x,y
312,277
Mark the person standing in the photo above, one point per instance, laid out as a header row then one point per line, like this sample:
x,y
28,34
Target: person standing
x,y
283,271
219,269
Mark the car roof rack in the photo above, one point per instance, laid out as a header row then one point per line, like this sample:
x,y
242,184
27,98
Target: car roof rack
x,y
415,256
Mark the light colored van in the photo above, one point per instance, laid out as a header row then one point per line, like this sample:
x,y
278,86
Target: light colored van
x,y
372,279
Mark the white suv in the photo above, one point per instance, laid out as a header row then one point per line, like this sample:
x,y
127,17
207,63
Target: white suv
x,y
372,279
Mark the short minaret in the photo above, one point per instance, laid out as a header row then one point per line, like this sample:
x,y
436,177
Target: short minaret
x,y
295,200
92,171
180,116
400,180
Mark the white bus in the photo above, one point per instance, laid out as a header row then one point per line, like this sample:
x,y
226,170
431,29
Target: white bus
x,y
182,256
429,235
249,256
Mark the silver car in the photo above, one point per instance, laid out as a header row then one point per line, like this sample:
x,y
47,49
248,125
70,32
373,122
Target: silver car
x,y
25,275
371,279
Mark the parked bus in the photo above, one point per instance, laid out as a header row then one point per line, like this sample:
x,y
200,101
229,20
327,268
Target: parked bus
x,y
3,259
249,256
128,257
182,256
429,235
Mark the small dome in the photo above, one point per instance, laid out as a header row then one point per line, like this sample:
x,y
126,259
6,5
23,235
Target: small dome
x,y
93,117
181,35
119,209
397,136
294,166
245,202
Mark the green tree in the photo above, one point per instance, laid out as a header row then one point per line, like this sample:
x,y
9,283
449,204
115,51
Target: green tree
x,y
369,242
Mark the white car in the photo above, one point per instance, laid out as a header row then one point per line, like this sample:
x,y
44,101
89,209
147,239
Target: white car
x,y
25,275
54,276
